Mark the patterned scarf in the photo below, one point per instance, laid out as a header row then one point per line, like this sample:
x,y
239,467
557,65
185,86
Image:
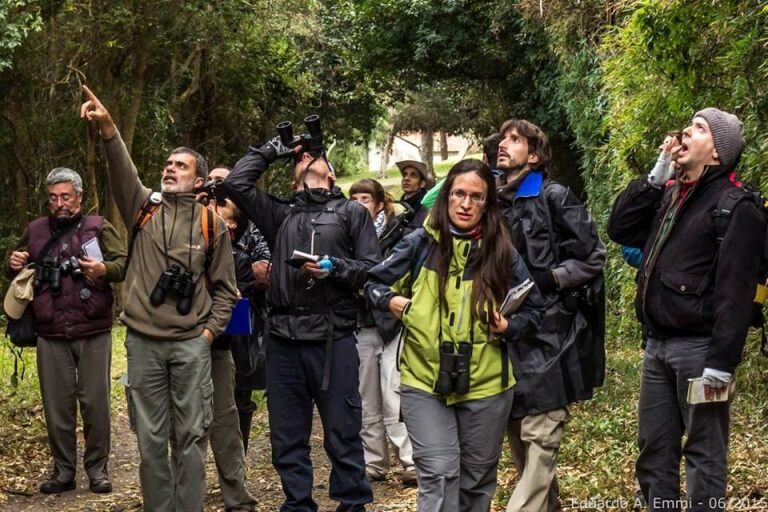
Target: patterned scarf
x,y
380,222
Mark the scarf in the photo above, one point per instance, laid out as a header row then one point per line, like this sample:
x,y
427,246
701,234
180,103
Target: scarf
x,y
380,222
475,233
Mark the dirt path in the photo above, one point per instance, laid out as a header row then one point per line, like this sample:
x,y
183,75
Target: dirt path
x,y
263,481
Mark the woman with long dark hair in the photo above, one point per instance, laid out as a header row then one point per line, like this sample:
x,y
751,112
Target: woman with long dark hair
x,y
446,282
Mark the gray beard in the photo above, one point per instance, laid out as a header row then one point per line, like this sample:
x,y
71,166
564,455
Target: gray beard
x,y
176,188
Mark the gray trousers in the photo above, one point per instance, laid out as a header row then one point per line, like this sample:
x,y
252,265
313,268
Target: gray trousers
x,y
72,372
379,384
664,416
226,440
177,375
456,448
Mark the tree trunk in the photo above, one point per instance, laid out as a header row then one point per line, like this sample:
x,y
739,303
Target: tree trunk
x,y
140,60
443,146
21,150
91,187
427,150
386,152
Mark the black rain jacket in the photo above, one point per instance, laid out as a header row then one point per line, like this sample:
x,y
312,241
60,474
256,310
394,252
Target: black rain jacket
x,y
302,308
565,359
693,286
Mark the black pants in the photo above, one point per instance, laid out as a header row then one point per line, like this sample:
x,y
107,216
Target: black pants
x,y
294,378
664,415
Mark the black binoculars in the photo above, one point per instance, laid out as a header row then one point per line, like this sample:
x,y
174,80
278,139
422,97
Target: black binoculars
x,y
48,272
311,142
178,283
51,271
453,375
213,190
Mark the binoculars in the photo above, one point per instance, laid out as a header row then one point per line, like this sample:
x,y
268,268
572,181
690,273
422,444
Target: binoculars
x,y
453,374
48,272
212,190
51,271
178,283
310,142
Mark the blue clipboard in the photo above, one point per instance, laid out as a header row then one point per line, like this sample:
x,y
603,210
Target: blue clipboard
x,y
240,323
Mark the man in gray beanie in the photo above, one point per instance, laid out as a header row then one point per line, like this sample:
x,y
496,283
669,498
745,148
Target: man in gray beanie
x,y
696,287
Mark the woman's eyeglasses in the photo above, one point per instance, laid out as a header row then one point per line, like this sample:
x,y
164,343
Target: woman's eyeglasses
x,y
460,195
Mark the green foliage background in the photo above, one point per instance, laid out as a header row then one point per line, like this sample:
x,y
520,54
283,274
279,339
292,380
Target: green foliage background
x,y
604,78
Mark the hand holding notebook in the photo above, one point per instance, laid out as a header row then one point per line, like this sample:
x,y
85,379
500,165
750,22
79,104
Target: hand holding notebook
x,y
515,298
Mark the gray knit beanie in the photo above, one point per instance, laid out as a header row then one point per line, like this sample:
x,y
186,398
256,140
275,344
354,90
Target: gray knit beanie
x,y
727,134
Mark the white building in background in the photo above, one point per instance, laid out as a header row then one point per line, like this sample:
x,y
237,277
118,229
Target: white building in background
x,y
406,147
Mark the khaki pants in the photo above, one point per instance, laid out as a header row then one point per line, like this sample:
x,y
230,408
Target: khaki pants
x,y
379,390
534,442
72,372
164,375
226,440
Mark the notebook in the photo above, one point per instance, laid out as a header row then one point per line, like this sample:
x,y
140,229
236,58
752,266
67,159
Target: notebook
x,y
515,298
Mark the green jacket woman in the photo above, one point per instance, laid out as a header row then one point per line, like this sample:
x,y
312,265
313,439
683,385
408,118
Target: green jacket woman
x,y
446,283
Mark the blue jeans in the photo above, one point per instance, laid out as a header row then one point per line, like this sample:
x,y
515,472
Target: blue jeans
x,y
294,379
664,415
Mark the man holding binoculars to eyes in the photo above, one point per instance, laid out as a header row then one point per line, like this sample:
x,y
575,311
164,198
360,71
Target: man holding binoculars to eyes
x,y
179,293
311,356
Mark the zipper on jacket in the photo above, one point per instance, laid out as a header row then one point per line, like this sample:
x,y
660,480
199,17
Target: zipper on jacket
x,y
648,270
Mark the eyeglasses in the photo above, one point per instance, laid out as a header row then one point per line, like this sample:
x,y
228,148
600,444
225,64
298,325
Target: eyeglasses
x,y
363,201
460,195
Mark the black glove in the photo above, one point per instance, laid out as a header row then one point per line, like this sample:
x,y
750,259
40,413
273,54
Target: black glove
x,y
274,150
545,280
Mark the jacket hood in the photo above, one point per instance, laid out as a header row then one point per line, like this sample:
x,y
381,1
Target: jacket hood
x,y
317,195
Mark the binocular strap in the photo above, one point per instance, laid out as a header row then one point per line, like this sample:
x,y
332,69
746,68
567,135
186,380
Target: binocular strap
x,y
504,363
69,231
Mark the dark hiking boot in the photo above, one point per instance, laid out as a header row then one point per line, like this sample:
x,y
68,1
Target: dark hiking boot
x,y
53,486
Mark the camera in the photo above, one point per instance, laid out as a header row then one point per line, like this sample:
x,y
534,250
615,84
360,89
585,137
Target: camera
x,y
453,373
48,272
177,283
71,267
213,190
310,142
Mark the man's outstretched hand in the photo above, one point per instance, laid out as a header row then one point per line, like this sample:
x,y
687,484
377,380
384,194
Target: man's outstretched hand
x,y
93,110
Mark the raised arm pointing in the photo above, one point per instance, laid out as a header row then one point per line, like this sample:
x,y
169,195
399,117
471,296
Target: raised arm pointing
x,y
94,110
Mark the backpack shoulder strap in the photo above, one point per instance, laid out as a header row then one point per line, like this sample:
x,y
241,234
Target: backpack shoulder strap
x,y
724,211
554,242
143,216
